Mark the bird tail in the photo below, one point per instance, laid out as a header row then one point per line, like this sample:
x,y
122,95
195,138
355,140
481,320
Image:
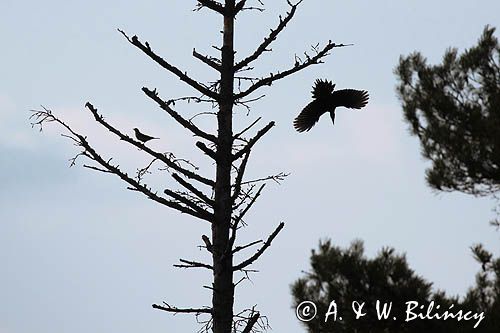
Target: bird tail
x,y
322,89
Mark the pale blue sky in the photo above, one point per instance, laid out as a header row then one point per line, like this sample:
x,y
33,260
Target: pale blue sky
x,y
80,253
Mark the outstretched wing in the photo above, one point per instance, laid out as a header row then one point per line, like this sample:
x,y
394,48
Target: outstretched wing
x,y
309,116
350,98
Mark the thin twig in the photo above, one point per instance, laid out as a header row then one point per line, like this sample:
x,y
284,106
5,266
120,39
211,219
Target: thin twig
x,y
174,309
239,248
267,243
193,264
238,135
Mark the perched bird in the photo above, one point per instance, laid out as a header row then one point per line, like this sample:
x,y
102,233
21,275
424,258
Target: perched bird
x,y
326,100
143,137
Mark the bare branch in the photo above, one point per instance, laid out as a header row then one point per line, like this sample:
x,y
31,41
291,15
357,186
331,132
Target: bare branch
x,y
193,264
269,39
239,248
277,178
239,218
238,135
267,243
206,150
212,62
207,242
267,81
178,161
94,167
143,171
206,113
174,309
239,177
213,5
162,157
251,322
174,70
193,189
240,6
250,204
252,141
196,99
189,203
81,141
245,194
187,124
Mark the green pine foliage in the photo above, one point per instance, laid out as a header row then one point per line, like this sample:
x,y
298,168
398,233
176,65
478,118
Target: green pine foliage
x,y
347,275
454,109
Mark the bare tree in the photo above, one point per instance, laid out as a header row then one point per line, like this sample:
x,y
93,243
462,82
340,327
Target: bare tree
x,y
222,201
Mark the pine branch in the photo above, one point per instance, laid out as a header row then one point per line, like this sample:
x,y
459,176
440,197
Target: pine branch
x,y
267,81
239,6
193,189
174,309
253,140
238,135
100,119
153,94
239,248
206,150
277,178
269,39
213,5
248,193
251,322
190,204
91,153
207,60
239,218
208,244
239,177
193,264
174,70
261,251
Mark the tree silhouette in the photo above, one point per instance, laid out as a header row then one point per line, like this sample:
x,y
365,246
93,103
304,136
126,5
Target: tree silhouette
x,y
454,109
224,200
346,276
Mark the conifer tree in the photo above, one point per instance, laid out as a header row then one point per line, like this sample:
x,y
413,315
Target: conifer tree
x,y
221,200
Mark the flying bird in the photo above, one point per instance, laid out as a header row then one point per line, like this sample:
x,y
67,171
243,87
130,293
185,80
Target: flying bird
x,y
326,100
143,137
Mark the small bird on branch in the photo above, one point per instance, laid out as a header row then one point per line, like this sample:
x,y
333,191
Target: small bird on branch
x,y
326,100
143,137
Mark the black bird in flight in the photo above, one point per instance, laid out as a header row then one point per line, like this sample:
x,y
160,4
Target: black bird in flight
x,y
326,100
143,137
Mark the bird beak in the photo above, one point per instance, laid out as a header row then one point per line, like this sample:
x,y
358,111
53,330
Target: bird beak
x,y
332,115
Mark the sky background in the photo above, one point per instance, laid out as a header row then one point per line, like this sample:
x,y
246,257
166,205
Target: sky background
x,y
80,253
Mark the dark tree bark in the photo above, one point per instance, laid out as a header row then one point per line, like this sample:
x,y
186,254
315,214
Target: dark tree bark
x,y
223,294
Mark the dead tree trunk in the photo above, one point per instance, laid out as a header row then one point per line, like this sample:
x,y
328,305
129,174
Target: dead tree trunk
x,y
223,292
